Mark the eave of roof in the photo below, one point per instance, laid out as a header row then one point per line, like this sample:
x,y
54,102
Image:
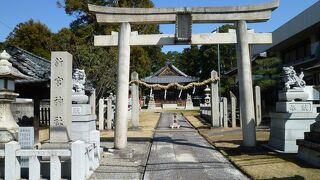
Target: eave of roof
x,y
180,76
36,68
170,79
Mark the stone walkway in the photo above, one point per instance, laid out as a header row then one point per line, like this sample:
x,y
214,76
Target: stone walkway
x,y
184,154
175,154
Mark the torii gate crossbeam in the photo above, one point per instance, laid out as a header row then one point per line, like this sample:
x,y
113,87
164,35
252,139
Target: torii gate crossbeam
x,y
183,18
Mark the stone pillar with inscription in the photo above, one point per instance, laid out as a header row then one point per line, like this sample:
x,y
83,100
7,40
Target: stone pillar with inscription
x,y
60,97
295,113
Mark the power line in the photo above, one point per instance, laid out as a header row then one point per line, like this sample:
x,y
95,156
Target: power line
x,y
5,25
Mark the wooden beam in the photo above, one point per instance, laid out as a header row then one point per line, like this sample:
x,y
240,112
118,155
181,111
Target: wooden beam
x,y
169,39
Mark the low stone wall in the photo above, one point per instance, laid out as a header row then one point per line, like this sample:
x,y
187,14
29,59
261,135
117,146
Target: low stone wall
x,y
205,112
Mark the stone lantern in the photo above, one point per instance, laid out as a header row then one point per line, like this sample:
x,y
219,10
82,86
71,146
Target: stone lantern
x,y
8,74
207,98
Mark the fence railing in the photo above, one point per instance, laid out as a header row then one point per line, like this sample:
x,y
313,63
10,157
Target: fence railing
x,y
44,116
84,159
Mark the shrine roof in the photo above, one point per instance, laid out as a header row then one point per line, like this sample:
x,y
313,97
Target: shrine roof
x,y
169,74
36,68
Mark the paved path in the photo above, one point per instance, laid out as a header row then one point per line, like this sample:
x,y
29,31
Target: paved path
x,y
128,165
184,154
175,154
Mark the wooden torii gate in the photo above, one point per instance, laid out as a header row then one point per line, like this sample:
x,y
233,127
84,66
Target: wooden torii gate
x,y
184,18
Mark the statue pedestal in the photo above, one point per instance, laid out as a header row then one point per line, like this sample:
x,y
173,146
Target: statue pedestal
x,y
309,147
83,122
286,128
291,120
293,94
79,98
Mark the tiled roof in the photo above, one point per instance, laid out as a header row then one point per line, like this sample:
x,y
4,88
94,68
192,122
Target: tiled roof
x,y
170,79
176,76
33,66
37,68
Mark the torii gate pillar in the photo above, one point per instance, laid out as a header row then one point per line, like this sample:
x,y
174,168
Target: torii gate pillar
x,y
245,86
121,121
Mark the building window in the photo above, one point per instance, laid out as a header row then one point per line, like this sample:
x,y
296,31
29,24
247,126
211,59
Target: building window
x,y
299,52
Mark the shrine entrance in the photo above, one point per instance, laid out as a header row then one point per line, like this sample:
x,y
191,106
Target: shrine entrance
x,y
183,18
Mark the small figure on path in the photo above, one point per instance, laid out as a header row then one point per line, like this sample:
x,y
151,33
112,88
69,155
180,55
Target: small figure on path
x,y
175,122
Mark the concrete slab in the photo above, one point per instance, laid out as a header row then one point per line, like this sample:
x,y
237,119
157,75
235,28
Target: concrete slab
x,y
177,154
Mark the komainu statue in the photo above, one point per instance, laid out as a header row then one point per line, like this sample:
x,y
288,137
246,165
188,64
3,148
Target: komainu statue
x,y
78,81
291,79
78,89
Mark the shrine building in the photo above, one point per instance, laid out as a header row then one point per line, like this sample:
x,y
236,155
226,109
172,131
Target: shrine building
x,y
173,97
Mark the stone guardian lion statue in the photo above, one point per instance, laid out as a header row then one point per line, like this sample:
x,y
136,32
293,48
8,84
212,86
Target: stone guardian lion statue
x,y
291,79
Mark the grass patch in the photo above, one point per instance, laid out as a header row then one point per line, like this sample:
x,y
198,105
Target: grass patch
x,y
148,122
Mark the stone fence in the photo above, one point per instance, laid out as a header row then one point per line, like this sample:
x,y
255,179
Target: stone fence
x,y
205,112
81,160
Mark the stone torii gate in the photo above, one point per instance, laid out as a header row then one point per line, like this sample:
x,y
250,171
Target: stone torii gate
x,y
184,18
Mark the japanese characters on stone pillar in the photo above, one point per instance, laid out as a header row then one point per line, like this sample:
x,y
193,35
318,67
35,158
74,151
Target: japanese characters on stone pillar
x,y
60,96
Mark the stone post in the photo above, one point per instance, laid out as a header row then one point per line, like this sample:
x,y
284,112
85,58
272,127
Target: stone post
x,y
245,86
92,101
101,114
144,100
109,113
135,101
78,154
121,122
214,101
258,105
55,167
34,172
221,112
12,168
36,119
225,112
233,103
60,97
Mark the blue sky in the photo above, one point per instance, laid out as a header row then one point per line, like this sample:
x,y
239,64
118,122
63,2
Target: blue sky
x,y
16,11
